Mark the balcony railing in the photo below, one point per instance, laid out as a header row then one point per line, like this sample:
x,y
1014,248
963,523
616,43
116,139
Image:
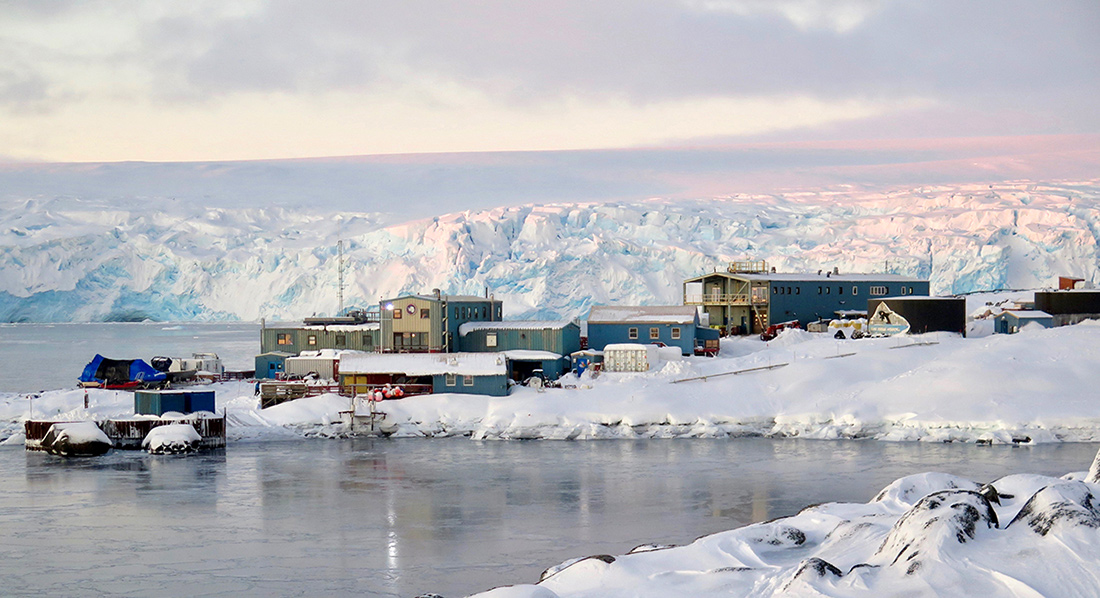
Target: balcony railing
x,y
716,299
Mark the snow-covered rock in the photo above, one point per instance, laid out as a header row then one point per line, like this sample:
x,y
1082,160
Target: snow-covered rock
x,y
171,439
76,439
950,541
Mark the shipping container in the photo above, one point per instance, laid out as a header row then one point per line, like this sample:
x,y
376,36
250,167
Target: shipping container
x,y
629,357
159,402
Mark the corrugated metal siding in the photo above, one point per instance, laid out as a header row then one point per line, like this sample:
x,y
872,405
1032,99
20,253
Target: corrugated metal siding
x,y
601,335
562,341
494,386
358,340
807,301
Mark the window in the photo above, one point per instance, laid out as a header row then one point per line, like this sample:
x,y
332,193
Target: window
x,y
632,333
491,339
878,290
775,290
828,290
798,290
368,340
425,313
341,340
311,340
397,313
818,290
467,380
282,338
675,334
855,291
902,290
498,312
654,333
840,290
788,290
450,379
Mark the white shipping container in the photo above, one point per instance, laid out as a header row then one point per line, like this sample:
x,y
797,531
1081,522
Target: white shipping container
x,y
324,366
630,357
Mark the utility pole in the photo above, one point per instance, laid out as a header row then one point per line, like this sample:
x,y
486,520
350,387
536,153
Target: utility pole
x,y
340,275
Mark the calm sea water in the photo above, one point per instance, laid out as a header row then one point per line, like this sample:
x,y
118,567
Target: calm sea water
x,y
49,356
399,517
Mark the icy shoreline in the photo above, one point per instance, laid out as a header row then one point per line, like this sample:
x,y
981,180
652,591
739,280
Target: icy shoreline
x,y
1036,386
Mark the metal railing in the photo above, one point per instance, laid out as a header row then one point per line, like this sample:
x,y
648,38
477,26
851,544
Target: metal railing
x,y
716,299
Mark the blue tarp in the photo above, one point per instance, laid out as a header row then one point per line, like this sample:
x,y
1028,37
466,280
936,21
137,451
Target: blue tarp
x,y
111,372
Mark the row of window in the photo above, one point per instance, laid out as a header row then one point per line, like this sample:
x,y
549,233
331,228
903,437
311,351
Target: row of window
x,y
654,333
451,380
341,340
824,290
425,312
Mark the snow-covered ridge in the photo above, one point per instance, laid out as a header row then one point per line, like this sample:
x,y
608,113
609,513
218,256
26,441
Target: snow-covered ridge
x,y
67,260
930,534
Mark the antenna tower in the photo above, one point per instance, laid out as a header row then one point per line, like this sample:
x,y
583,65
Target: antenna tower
x,y
340,275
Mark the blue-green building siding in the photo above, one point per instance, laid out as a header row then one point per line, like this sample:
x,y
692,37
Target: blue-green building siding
x,y
495,385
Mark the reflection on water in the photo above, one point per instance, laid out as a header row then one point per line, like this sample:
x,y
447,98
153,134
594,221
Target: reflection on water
x,y
402,517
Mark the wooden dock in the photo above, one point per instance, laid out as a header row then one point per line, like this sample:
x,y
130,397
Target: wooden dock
x,y
127,434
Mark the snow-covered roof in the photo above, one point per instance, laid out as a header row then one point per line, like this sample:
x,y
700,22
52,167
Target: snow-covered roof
x,y
425,364
514,325
448,298
340,354
332,327
530,355
917,298
1027,313
630,347
657,314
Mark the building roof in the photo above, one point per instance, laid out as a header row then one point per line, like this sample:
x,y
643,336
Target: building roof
x,y
426,364
531,355
642,314
467,327
824,277
332,327
1026,314
447,298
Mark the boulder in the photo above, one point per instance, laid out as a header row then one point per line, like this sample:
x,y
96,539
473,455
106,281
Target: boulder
x,y
76,439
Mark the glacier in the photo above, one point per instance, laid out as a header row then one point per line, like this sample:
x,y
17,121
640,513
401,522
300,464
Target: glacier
x,y
66,259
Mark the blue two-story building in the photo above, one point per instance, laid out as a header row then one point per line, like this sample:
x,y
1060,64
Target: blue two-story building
x,y
746,298
673,326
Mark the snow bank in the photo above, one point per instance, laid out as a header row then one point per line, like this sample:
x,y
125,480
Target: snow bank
x,y
924,535
1035,386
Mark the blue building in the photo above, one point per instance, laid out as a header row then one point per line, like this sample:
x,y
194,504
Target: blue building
x,y
429,323
530,346
746,298
467,373
1011,322
673,326
269,365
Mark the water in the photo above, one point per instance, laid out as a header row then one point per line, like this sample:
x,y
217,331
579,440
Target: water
x,y
49,356
398,517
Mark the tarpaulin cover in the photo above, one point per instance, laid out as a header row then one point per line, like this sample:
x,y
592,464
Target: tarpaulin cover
x,y
119,371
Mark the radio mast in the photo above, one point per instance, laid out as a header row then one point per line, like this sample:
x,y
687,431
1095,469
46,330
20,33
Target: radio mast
x,y
340,275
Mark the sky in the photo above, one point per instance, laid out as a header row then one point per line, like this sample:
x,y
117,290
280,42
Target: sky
x,y
131,80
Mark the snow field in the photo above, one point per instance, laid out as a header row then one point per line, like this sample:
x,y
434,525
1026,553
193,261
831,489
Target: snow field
x,y
1035,386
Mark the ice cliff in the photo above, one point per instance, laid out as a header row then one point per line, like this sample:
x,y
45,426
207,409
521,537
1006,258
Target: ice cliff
x,y
64,259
